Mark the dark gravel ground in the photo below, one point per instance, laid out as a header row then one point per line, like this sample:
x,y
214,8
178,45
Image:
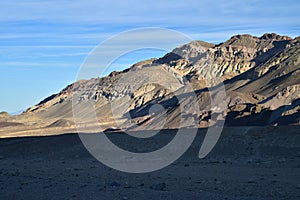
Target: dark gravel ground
x,y
247,163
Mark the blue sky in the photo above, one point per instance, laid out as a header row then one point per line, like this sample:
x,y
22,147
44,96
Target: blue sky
x,y
43,42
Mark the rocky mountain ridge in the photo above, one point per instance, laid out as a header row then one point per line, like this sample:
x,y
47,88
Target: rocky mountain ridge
x,y
260,76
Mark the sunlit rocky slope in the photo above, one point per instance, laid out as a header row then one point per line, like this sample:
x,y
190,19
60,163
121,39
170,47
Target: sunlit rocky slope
x,y
261,77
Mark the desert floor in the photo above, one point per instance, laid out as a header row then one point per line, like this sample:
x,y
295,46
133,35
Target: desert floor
x,y
246,163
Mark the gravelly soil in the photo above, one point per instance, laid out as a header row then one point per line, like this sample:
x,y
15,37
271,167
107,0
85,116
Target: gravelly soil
x,y
255,163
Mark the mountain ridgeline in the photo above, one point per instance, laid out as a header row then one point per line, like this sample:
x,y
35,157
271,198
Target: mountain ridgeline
x,y
261,77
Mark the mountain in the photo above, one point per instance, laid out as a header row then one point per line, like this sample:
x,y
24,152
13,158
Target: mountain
x,y
261,77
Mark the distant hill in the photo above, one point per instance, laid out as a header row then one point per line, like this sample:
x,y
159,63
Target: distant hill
x,y
261,76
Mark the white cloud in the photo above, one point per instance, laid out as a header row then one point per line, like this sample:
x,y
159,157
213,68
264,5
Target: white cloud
x,y
35,64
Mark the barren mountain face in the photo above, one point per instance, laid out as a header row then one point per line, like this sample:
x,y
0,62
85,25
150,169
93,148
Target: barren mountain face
x,y
261,77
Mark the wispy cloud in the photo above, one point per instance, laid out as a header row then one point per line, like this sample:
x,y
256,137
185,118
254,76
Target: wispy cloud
x,y
141,11
21,65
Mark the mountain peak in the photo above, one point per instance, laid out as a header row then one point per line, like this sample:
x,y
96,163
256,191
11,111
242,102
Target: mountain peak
x,y
274,36
241,36
251,41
